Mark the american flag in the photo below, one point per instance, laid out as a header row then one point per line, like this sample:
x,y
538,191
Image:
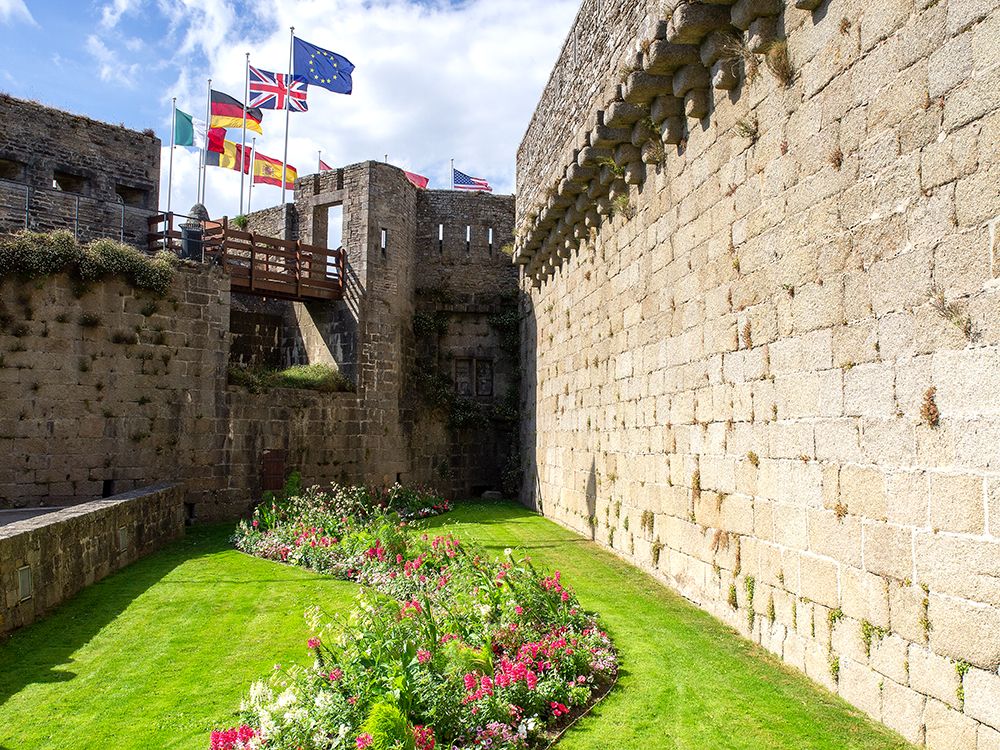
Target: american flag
x,y
462,181
267,90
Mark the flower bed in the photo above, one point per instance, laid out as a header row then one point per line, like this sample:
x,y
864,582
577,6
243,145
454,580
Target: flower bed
x,y
447,648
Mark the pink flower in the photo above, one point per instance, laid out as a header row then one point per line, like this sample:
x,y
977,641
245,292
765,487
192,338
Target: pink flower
x,y
364,740
531,680
519,609
423,656
313,643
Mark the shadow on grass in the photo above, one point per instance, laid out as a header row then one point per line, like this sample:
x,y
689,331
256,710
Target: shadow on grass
x,y
42,652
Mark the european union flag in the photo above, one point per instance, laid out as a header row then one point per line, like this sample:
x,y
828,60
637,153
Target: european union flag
x,y
323,68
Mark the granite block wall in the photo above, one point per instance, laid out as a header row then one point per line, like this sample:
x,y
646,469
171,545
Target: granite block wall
x,y
762,333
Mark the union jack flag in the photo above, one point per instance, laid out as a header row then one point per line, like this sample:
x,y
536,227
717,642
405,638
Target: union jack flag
x,y
268,91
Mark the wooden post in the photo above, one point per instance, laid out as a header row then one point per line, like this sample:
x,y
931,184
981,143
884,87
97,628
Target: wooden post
x,y
298,269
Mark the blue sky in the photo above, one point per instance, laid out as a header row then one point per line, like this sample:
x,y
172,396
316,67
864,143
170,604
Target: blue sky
x,y
433,80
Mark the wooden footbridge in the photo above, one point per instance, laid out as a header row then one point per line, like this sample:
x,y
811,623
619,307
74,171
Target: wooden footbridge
x,y
258,265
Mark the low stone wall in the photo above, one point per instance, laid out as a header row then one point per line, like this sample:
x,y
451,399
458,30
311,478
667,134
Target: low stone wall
x,y
75,547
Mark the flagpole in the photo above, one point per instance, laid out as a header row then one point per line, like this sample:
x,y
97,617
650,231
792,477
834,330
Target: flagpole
x,y
319,161
173,139
452,174
288,112
204,147
243,147
253,170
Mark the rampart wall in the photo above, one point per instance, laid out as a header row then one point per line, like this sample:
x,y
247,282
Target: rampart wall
x,y
111,390
762,337
67,171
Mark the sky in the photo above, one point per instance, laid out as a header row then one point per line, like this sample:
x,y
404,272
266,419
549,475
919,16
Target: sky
x,y
433,80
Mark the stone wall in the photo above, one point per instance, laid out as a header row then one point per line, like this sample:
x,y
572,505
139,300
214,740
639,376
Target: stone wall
x,y
115,389
369,335
94,165
68,549
763,334
469,270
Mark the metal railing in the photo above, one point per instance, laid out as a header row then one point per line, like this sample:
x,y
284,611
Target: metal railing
x,y
70,216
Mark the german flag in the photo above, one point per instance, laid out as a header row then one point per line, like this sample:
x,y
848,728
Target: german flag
x,y
227,112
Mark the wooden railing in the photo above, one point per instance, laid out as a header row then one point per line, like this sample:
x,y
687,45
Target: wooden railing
x,y
258,265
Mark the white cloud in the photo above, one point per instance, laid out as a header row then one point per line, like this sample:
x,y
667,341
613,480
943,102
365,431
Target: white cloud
x,y
12,11
112,12
110,66
432,82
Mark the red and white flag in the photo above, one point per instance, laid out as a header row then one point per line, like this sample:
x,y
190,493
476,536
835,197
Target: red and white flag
x,y
420,182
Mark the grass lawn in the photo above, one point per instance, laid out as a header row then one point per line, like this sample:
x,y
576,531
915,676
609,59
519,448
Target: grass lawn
x,y
159,654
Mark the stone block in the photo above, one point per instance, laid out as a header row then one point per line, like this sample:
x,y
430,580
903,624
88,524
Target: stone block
x,y
907,498
888,442
642,87
718,45
889,655
888,550
691,23
666,106
761,34
745,11
862,489
664,57
956,628
982,697
963,263
792,531
838,440
903,711
989,739
817,665
958,504
859,686
956,566
864,596
819,580
948,729
869,390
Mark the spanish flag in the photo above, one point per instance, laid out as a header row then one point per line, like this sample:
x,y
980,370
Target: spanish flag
x,y
229,157
268,171
227,112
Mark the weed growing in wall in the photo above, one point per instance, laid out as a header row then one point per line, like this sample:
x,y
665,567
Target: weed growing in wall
x,y
950,311
928,409
778,62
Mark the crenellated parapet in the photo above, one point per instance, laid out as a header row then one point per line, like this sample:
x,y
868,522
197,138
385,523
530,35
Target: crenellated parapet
x,y
660,83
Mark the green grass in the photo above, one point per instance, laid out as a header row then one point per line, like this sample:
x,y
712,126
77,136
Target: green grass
x,y
159,654
687,681
315,377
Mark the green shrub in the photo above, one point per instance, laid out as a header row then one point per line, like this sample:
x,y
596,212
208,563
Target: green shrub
x,y
388,728
29,255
